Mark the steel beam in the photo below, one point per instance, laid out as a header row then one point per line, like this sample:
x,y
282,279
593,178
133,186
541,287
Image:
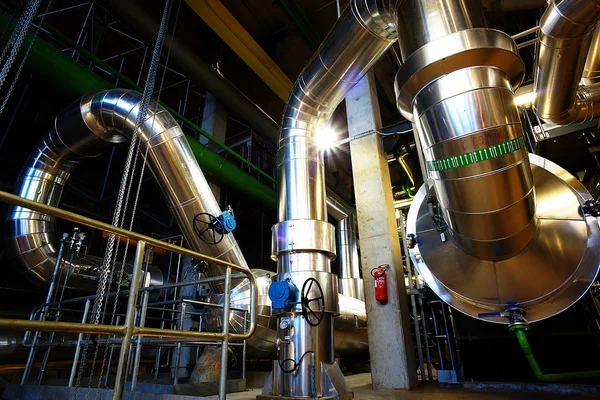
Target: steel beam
x,y
243,44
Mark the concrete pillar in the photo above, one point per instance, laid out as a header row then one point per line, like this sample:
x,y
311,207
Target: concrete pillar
x,y
390,341
214,121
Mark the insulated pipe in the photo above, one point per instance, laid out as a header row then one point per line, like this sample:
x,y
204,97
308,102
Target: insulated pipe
x,y
591,69
94,123
457,84
349,280
566,30
303,241
30,235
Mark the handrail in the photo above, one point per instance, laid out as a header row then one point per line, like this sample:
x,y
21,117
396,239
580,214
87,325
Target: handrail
x,y
129,329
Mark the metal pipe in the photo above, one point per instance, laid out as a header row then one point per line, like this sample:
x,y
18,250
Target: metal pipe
x,y
566,30
302,211
73,375
485,154
129,320
591,69
225,343
526,32
88,127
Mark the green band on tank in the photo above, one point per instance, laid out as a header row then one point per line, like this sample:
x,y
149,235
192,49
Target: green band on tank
x,y
473,157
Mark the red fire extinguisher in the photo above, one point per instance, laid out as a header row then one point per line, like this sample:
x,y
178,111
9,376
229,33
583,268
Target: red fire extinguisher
x,y
378,274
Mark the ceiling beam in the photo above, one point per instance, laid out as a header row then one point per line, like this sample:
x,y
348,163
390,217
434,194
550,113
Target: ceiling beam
x,y
220,20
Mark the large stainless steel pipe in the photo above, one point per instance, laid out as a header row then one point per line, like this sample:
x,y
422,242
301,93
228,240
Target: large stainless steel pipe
x,y
303,240
88,127
520,237
349,281
566,30
591,69
462,103
30,235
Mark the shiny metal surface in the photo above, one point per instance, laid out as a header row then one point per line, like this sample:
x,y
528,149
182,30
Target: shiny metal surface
x,y
463,49
361,35
552,273
87,128
350,333
487,201
171,161
303,235
591,69
566,30
423,21
352,287
30,235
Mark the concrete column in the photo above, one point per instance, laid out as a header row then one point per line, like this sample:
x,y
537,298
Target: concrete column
x,y
390,341
214,121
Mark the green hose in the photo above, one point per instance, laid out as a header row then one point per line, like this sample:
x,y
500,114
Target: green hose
x,y
521,333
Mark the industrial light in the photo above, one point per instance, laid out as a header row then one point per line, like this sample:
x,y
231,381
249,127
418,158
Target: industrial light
x,y
326,137
525,98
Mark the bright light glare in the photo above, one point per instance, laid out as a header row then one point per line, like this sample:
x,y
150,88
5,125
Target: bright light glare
x,y
525,99
326,137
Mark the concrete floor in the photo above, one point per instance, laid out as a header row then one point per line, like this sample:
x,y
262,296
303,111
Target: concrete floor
x,y
361,383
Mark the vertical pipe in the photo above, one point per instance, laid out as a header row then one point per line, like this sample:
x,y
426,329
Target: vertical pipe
x,y
138,348
178,352
73,375
49,295
129,320
411,287
225,343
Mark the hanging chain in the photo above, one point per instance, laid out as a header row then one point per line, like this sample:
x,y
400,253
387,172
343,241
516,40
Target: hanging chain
x,y
25,56
123,199
17,37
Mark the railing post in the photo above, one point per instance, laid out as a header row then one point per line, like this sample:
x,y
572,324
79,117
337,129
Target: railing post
x,y
129,320
225,343
78,346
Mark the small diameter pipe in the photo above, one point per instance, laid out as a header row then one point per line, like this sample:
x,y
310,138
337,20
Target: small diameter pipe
x,y
521,333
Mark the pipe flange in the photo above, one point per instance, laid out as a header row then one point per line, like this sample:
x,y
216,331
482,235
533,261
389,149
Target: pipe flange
x,y
468,48
303,235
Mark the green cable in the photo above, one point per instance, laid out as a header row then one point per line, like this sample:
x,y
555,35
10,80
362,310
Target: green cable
x,y
521,333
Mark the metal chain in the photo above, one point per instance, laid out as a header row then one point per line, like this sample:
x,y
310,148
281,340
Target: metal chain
x,y
124,193
25,56
21,30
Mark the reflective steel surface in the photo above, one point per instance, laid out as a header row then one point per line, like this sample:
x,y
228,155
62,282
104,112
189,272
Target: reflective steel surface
x,y
548,276
350,324
591,69
423,21
566,30
463,49
362,34
85,129
468,119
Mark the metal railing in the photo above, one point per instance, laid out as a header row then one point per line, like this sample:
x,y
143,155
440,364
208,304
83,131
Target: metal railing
x,y
129,329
